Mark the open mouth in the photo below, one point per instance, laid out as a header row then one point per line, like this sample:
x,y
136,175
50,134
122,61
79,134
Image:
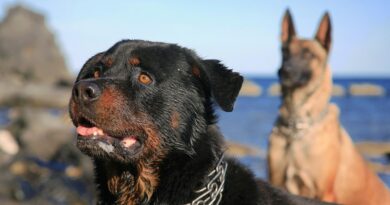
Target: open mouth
x,y
87,130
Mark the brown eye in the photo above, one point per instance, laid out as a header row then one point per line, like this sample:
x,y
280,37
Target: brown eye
x,y
96,74
144,79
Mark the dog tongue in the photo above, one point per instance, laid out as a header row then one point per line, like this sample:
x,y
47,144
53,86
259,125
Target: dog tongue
x,y
87,131
128,141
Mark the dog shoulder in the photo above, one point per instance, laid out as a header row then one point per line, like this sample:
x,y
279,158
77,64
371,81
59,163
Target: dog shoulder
x,y
241,187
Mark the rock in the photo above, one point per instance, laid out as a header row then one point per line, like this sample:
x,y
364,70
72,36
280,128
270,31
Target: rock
x,y
38,127
34,95
378,167
73,172
241,150
69,154
8,143
31,181
32,69
18,168
250,88
28,50
274,90
338,90
366,89
373,148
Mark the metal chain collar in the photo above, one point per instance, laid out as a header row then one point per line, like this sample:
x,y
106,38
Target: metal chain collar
x,y
211,194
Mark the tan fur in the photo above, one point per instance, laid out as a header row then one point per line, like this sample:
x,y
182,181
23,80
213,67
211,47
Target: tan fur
x,y
318,159
120,184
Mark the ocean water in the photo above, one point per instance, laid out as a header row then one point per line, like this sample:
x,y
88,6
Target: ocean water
x,y
365,118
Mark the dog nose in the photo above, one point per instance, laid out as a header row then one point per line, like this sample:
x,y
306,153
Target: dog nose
x,y
284,72
86,91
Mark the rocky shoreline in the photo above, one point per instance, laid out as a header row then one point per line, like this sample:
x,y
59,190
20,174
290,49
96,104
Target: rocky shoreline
x,y
252,89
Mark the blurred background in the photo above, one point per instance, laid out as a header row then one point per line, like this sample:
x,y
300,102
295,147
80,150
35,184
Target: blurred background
x,y
43,44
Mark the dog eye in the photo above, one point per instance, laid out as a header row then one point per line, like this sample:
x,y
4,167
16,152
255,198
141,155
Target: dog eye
x,y
144,79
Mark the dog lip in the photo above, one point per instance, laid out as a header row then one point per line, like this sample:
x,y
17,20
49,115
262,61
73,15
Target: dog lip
x,y
82,120
96,133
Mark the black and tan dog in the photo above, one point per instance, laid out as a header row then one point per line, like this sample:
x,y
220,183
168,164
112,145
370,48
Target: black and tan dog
x,y
309,151
144,113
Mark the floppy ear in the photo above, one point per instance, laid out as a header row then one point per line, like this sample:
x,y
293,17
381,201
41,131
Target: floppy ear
x,y
288,30
224,84
324,32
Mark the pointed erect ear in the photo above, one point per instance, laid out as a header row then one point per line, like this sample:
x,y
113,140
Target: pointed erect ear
x,y
324,32
224,84
288,30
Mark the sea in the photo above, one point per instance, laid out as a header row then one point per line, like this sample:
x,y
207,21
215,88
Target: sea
x,y
366,118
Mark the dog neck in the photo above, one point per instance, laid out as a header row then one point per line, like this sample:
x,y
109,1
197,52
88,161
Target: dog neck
x,y
184,175
308,104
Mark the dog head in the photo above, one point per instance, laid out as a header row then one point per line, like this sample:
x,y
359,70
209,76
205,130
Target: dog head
x,y
303,60
140,99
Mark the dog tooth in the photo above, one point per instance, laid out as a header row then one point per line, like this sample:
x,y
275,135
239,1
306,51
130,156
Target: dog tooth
x,y
95,133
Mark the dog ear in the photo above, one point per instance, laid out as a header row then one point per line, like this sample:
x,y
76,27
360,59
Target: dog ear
x,y
224,84
288,30
324,32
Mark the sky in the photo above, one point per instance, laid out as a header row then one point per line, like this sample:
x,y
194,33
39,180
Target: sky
x,y
243,34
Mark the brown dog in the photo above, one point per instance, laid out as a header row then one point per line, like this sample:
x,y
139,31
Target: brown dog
x,y
310,153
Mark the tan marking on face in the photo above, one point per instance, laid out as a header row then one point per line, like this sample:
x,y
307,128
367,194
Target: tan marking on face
x,y
111,103
108,62
195,71
134,61
109,98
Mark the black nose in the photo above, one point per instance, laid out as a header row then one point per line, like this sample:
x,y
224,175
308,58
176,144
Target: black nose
x,y
285,72
85,91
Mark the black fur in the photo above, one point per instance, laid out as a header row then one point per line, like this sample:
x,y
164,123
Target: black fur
x,y
172,118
